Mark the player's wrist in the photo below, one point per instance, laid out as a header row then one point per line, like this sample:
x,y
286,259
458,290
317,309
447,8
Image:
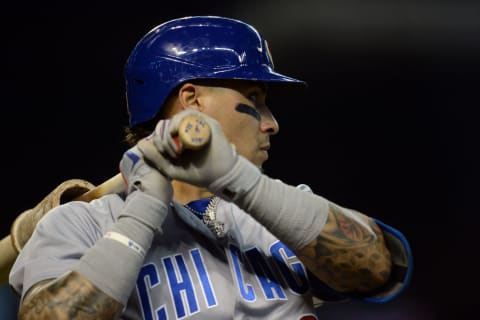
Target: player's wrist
x,y
237,181
124,246
112,267
146,210
141,216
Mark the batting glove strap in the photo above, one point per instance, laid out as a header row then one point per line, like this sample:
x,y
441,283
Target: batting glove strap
x,y
145,209
239,180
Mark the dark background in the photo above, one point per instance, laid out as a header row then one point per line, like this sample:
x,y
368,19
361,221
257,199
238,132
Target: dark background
x,y
386,125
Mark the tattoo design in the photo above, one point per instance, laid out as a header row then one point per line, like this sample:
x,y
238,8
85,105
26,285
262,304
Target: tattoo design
x,y
243,108
69,297
347,256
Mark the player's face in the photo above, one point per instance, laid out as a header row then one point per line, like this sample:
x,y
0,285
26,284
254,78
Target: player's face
x,y
245,118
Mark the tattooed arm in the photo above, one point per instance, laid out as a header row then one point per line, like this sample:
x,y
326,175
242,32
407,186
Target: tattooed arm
x,y
70,296
349,254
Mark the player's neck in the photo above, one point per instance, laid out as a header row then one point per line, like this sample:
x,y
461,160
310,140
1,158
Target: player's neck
x,y
184,193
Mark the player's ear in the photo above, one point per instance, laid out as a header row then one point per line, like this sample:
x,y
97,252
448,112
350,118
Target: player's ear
x,y
188,96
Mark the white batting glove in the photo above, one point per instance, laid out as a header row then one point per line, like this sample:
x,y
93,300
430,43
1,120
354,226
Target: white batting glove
x,y
140,176
198,167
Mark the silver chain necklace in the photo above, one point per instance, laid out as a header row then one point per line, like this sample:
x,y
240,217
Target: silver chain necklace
x,y
210,219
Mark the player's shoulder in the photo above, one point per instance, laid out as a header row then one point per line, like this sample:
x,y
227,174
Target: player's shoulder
x,y
101,211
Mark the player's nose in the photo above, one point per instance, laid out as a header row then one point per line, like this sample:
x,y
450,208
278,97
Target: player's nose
x,y
268,123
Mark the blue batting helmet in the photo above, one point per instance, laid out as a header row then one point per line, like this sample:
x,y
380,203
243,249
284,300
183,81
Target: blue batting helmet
x,y
198,47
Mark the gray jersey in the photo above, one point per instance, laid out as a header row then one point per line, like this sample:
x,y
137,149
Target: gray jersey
x,y
188,272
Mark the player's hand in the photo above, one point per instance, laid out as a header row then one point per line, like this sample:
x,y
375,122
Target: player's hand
x,y
140,176
198,167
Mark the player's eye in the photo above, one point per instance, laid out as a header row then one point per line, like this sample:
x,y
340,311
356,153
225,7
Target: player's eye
x,y
253,97
255,94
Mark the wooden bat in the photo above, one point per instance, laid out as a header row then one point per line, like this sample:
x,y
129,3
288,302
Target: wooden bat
x,y
194,133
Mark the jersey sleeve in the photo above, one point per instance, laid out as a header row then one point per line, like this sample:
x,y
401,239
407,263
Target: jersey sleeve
x,y
402,268
399,279
59,240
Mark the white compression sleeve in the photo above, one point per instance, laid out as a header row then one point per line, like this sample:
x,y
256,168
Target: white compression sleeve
x,y
294,216
113,263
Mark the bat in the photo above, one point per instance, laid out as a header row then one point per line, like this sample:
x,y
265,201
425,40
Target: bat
x,y
194,133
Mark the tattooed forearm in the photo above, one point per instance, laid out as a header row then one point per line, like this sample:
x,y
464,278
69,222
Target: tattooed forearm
x,y
348,255
69,297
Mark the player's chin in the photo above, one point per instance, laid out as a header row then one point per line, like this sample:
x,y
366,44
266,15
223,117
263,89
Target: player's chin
x,y
260,159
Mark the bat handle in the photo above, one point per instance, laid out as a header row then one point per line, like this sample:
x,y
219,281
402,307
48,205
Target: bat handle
x,y
193,132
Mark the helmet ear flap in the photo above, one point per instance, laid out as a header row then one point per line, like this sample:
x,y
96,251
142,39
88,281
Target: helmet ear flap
x,y
179,50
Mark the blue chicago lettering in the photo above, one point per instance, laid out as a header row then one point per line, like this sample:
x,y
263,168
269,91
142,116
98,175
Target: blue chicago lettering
x,y
246,290
204,278
180,281
181,286
266,278
290,267
148,273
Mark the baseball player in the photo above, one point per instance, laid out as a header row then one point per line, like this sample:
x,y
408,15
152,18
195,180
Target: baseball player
x,y
204,234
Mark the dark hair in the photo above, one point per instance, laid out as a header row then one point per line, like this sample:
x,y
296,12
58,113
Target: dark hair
x,y
140,131
144,129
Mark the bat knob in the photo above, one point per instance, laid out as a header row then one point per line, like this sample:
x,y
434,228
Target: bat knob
x,y
194,132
